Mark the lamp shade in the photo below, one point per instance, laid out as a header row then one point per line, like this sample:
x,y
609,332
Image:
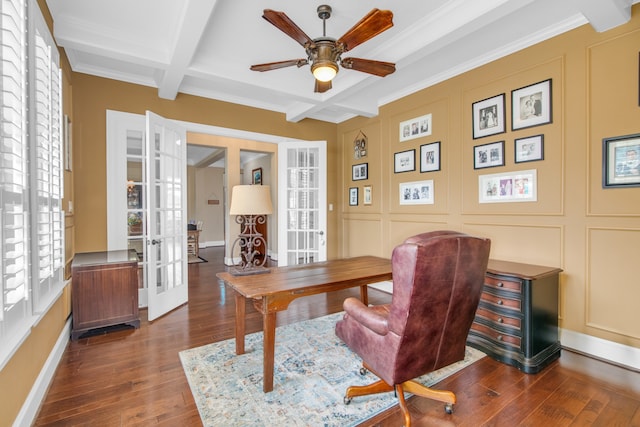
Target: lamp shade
x,y
251,200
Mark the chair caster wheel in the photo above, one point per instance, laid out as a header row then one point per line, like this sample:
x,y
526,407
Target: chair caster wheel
x,y
448,408
363,371
346,400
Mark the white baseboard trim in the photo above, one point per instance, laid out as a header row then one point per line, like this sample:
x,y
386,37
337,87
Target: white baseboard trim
x,y
610,351
29,410
203,245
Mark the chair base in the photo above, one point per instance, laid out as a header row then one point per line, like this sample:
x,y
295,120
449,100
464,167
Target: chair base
x,y
380,386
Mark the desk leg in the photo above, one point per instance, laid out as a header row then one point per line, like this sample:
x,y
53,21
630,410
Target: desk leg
x,y
240,309
364,294
269,328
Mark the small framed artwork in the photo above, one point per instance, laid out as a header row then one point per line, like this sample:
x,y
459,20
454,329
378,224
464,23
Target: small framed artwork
x,y
360,172
415,128
516,186
529,149
621,161
531,105
366,196
416,193
404,161
488,155
430,157
488,117
353,196
360,146
256,175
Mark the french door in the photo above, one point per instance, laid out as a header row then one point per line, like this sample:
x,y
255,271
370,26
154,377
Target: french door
x,y
166,163
302,201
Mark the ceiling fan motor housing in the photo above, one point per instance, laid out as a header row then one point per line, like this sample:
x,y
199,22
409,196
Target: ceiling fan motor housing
x,y
323,53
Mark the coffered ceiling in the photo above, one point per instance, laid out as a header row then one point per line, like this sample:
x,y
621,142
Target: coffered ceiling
x,y
205,47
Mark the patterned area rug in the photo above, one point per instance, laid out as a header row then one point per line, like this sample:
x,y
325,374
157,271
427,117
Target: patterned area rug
x,y
192,259
313,368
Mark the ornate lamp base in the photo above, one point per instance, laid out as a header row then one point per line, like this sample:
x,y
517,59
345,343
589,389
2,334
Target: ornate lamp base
x,y
248,241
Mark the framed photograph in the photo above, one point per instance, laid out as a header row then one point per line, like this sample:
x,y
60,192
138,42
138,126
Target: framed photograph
x,y
404,161
531,105
488,155
366,197
488,117
360,172
529,149
353,196
516,186
415,128
430,157
416,193
256,176
621,161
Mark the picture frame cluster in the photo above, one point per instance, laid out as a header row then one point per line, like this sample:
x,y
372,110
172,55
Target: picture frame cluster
x,y
530,106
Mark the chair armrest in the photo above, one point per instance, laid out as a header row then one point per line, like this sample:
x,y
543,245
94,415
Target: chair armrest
x,y
373,318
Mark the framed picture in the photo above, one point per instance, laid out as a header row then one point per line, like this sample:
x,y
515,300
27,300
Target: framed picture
x,y
256,176
366,197
488,117
430,157
416,193
360,146
360,172
415,128
531,105
353,196
621,161
529,149
488,155
404,161
516,186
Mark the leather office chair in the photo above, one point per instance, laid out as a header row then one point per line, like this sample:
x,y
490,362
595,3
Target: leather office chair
x,y
437,282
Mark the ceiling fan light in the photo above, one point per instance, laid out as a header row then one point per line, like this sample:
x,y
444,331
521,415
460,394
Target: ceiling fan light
x,y
324,71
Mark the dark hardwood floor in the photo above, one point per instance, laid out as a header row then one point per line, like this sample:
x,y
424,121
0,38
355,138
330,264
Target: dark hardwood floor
x,y
134,377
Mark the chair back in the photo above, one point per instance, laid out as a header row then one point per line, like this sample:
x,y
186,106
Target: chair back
x,y
437,283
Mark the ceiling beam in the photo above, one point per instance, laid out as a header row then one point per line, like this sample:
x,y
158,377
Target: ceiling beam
x,y
219,154
604,15
191,28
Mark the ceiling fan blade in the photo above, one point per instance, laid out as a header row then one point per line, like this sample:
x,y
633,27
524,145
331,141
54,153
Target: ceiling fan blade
x,y
368,27
322,86
378,68
281,64
287,26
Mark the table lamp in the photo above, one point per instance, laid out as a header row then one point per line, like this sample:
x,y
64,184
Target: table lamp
x,y
250,204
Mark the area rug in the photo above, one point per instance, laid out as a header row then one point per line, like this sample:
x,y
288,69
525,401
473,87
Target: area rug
x,y
313,368
195,259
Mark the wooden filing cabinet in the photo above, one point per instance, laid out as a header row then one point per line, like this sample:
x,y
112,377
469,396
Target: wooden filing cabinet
x,y
517,318
104,290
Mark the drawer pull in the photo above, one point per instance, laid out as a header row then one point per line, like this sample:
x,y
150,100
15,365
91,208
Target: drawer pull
x,y
500,284
500,302
500,320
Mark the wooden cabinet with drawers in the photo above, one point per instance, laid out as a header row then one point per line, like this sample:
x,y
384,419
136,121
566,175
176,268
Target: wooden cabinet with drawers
x,y
517,318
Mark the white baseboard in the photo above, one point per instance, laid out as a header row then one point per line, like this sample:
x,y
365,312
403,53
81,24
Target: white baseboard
x,y
203,245
29,410
610,351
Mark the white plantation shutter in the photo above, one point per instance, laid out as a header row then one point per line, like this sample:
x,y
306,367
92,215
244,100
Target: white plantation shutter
x,y
15,316
31,216
46,168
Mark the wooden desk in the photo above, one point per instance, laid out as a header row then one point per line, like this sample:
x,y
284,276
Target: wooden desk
x,y
274,291
193,242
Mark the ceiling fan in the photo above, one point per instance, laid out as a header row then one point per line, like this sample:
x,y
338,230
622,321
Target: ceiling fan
x,y
325,53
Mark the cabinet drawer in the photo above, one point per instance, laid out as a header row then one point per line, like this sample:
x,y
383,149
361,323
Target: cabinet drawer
x,y
499,318
502,301
497,337
511,285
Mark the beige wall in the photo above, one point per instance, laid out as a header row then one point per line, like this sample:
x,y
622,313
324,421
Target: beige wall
x,y
209,186
592,233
